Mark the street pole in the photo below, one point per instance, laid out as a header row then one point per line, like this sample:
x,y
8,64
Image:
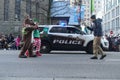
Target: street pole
x,y
79,4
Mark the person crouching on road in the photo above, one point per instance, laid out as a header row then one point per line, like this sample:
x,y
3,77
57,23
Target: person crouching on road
x,y
27,34
97,29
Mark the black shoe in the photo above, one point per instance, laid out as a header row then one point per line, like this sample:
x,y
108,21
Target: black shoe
x,y
103,56
33,56
22,56
94,57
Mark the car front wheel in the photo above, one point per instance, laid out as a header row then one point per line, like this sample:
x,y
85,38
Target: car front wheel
x,y
45,48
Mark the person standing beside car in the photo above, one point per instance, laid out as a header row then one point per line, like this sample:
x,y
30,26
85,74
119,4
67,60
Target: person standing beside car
x,y
97,29
27,39
37,40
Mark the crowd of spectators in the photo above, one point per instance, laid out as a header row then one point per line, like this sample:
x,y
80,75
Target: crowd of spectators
x,y
114,42
10,42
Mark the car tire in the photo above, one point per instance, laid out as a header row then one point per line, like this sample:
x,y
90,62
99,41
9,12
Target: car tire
x,y
89,48
45,48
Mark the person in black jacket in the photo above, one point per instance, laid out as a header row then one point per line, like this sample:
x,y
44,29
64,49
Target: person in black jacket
x,y
97,29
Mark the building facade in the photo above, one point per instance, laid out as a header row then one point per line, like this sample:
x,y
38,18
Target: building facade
x,y
112,16
98,9
12,13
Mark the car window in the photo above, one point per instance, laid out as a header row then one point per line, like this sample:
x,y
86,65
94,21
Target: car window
x,y
79,31
72,30
58,30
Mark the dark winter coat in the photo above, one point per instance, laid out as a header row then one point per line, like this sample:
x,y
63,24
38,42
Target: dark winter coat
x,y
96,28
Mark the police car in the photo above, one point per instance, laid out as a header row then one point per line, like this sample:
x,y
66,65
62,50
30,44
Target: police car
x,y
69,38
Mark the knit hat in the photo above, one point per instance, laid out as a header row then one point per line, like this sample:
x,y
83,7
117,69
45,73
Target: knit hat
x,y
93,17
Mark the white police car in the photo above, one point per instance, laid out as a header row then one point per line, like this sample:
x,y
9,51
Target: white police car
x,y
57,37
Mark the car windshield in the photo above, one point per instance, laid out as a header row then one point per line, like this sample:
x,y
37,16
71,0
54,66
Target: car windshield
x,y
75,30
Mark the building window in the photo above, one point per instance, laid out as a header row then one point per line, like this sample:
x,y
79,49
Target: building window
x,y
108,25
17,9
98,2
113,24
28,7
117,23
113,13
107,7
106,17
109,16
117,11
6,10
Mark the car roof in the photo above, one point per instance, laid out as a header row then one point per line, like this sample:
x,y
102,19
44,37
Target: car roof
x,y
54,26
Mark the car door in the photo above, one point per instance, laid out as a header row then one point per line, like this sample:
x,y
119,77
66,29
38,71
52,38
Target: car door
x,y
66,38
75,39
57,37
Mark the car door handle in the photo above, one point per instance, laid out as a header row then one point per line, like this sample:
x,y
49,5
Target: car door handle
x,y
70,36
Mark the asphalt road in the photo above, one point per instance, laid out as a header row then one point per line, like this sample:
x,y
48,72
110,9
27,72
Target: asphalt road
x,y
59,66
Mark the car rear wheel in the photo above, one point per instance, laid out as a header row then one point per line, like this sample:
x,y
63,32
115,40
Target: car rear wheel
x,y
45,48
